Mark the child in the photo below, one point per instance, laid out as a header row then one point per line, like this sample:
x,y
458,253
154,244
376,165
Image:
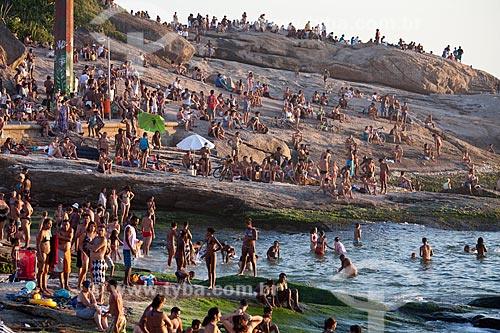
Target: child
x,y
11,231
195,326
115,243
183,276
92,123
14,254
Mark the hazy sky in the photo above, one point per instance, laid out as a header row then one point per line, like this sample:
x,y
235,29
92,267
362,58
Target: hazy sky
x,y
434,23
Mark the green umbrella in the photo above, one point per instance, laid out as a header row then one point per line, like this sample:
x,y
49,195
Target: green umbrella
x,y
151,122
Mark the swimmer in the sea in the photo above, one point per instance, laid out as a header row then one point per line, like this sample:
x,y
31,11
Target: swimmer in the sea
x,y
426,251
347,266
481,248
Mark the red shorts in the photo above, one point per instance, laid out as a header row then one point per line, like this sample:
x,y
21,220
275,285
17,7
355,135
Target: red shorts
x,y
147,234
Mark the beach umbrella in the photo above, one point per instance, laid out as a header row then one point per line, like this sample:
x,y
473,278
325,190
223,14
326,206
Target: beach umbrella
x,y
151,122
194,142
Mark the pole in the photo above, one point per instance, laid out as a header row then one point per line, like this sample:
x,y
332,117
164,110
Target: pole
x,y
109,75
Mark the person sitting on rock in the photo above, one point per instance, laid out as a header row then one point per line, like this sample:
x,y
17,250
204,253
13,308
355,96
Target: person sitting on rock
x,y
290,297
405,182
315,98
68,149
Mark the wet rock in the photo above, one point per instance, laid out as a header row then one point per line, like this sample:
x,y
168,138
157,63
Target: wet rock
x,y
492,302
486,322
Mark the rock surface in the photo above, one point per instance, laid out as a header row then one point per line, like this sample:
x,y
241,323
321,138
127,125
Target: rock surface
x,y
406,70
61,181
157,40
11,49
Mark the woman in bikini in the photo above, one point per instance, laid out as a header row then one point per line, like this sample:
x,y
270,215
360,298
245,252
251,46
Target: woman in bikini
x,y
154,320
151,207
126,197
213,245
43,250
180,250
320,244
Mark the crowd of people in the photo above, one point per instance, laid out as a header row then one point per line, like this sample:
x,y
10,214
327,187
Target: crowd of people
x,y
99,234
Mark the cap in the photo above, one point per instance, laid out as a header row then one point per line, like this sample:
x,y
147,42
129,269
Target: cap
x,y
75,205
86,284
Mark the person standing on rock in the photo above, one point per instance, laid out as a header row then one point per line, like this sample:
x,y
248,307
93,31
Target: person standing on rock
x,y
377,36
171,236
129,248
148,232
384,175
63,267
213,245
326,75
248,247
438,144
98,247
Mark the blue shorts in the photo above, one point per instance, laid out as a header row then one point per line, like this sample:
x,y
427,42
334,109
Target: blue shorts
x,y
127,259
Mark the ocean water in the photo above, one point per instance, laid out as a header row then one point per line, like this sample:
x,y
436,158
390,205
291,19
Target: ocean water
x,y
387,274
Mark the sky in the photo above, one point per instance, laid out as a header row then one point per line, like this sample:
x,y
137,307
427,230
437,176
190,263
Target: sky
x,y
433,23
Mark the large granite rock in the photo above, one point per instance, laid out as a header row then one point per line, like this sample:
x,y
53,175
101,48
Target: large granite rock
x,y
157,40
407,70
11,49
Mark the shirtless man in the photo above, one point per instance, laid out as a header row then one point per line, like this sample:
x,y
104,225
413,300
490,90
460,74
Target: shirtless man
x,y
154,320
175,319
103,143
384,175
248,247
235,143
119,322
357,234
323,171
426,251
438,144
148,233
213,245
63,267
98,247
266,326
347,266
119,143
171,236
43,250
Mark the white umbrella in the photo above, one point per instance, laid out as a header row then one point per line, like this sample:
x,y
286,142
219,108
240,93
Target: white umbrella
x,y
194,142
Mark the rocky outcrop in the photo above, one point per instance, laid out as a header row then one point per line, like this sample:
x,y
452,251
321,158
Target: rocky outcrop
x,y
11,49
153,38
406,70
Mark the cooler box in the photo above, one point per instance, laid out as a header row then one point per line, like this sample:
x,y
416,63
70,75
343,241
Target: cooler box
x,y
27,265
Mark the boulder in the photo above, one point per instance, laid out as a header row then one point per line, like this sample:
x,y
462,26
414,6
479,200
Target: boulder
x,y
486,322
153,38
368,63
492,302
11,49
